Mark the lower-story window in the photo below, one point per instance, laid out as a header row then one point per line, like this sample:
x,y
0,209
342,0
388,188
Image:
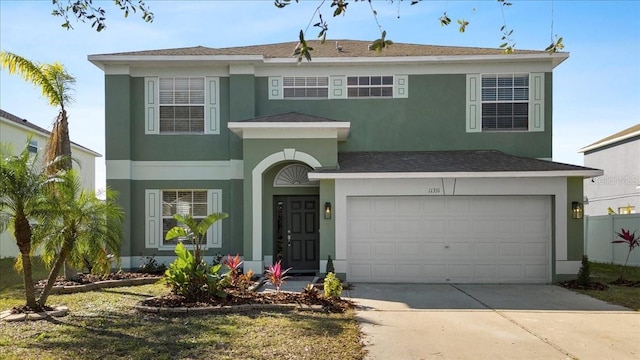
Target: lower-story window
x,y
162,205
186,203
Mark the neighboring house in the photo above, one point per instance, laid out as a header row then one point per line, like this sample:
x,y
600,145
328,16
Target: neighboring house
x,y
619,188
15,131
417,164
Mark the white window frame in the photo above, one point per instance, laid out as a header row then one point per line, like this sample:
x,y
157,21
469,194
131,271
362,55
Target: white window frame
x,y
337,88
154,219
535,104
211,106
356,87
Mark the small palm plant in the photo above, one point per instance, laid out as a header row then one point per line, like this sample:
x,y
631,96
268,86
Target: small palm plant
x,y
276,276
632,241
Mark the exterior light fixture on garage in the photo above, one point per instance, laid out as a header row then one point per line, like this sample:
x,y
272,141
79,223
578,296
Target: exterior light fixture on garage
x,y
327,210
576,210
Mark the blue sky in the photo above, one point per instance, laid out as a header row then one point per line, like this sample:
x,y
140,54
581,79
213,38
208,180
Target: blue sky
x,y
596,91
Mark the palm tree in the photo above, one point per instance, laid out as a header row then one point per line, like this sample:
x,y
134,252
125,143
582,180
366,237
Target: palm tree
x,y
56,84
86,227
23,186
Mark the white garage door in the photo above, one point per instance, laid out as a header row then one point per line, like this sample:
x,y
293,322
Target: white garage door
x,y
449,239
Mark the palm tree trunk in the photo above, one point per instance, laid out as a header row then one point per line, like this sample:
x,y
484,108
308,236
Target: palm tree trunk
x,y
22,233
53,274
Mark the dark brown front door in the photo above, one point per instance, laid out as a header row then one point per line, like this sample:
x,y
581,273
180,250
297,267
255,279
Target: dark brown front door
x,y
296,236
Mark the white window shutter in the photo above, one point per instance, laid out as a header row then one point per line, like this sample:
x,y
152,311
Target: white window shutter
x,y
275,88
214,204
337,87
151,106
536,102
401,86
212,106
474,103
152,219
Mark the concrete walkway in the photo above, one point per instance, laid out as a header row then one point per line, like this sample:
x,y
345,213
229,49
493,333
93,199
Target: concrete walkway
x,y
422,321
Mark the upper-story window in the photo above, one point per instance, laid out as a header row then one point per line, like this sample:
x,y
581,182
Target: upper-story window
x,y
309,87
338,87
182,105
369,86
505,102
33,146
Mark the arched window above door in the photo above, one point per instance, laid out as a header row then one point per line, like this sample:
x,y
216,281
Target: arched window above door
x,y
294,175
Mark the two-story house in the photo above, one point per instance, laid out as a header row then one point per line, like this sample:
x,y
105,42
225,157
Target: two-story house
x,y
15,131
416,164
619,189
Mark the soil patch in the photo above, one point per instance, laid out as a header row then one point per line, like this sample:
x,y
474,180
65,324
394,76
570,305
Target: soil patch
x,y
629,283
594,285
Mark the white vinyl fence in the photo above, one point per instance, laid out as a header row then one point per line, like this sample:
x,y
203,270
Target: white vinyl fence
x,y
599,231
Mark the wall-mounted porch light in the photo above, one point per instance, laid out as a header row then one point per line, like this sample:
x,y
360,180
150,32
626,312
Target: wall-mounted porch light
x,y
327,210
576,210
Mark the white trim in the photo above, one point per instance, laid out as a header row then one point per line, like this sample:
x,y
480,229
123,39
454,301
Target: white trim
x,y
212,105
536,102
462,174
609,142
152,218
151,105
287,130
568,267
474,103
401,86
256,191
214,205
241,69
174,170
102,61
118,69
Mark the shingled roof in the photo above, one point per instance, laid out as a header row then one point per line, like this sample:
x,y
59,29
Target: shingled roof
x,y
349,48
24,122
456,161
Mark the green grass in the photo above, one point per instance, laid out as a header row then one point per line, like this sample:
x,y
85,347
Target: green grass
x,y
627,296
103,325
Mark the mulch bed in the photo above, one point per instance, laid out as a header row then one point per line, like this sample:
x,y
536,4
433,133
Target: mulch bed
x,y
235,297
83,279
573,284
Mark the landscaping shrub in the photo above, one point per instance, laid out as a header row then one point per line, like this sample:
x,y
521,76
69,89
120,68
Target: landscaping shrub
x,y
332,286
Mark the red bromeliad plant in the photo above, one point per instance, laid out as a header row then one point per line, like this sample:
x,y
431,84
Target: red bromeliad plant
x,y
233,263
626,237
276,276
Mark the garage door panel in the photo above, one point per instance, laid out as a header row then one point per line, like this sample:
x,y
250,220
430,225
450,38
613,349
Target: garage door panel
x,y
462,239
382,250
433,227
535,249
359,250
409,249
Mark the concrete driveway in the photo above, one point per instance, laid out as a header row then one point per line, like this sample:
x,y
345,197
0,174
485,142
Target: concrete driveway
x,y
424,321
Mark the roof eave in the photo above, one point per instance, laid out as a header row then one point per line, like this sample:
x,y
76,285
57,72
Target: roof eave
x,y
458,174
598,145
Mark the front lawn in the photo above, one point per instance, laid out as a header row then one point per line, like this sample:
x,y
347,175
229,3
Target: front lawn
x,y
103,325
628,296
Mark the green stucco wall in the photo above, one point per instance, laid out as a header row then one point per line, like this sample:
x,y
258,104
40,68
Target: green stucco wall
x,y
575,227
432,118
123,189
124,109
